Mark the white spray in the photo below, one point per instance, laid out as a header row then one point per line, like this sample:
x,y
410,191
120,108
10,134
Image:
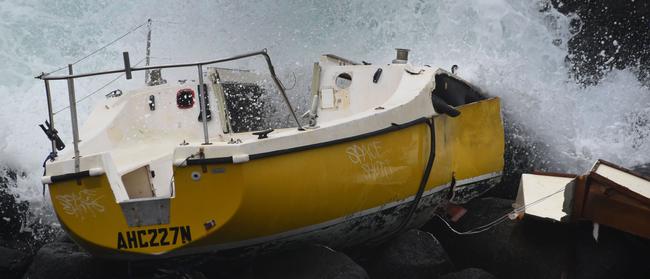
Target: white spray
x,y
506,47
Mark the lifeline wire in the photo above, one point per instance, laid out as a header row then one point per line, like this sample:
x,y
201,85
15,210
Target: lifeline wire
x,y
98,89
499,220
103,47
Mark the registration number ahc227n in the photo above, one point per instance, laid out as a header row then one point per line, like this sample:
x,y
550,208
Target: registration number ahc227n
x,y
153,237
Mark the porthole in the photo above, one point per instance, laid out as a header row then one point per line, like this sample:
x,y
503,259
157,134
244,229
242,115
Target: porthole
x,y
196,176
343,80
185,98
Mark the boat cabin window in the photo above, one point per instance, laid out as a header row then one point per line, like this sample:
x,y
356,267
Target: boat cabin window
x,y
343,80
185,98
245,105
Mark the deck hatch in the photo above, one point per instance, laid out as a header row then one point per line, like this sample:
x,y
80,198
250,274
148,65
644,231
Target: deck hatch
x,y
138,183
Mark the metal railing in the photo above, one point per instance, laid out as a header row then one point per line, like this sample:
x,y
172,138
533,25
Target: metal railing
x,y
127,70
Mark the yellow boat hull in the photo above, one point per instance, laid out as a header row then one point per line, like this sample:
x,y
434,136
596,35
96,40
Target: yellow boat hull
x,y
339,194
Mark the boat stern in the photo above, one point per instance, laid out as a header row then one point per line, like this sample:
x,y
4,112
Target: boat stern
x,y
96,212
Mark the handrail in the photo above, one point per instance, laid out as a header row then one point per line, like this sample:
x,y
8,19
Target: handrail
x,y
342,59
168,66
128,69
45,76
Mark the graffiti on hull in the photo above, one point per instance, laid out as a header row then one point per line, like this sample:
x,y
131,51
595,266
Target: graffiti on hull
x,y
83,204
368,156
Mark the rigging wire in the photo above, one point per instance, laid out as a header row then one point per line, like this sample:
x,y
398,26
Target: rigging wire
x,y
294,82
103,47
499,220
98,89
171,22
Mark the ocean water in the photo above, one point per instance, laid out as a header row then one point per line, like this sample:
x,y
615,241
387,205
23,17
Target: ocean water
x,y
508,48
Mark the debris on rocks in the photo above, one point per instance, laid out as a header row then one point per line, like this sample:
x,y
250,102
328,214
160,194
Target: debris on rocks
x,y
608,195
522,249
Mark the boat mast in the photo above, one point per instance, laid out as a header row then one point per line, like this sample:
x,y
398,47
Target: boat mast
x,y
147,73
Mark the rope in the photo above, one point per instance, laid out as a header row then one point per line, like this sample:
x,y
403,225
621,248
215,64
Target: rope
x,y
103,47
499,220
171,180
51,156
476,230
98,89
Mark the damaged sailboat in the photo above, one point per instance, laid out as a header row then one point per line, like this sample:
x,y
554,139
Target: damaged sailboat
x,y
161,172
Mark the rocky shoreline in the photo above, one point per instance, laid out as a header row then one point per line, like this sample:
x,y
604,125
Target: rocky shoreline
x,y
527,248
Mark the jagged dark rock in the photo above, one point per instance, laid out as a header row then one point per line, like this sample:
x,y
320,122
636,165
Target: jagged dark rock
x,y
12,212
607,35
642,169
13,263
310,261
512,249
469,273
615,254
65,260
62,236
414,254
18,230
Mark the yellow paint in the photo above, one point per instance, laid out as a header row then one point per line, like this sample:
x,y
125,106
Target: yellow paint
x,y
276,194
474,140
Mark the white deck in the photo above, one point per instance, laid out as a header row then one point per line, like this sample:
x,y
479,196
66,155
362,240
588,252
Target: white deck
x,y
126,134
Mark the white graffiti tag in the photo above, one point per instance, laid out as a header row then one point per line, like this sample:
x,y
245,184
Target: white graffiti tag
x,y
369,158
81,204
